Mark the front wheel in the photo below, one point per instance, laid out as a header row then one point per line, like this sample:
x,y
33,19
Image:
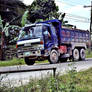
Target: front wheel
x,y
54,57
29,61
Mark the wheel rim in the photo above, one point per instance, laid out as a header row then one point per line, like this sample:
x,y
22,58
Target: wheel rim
x,y
82,54
76,54
54,57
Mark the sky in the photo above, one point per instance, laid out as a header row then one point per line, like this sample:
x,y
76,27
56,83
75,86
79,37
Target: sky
x,y
76,14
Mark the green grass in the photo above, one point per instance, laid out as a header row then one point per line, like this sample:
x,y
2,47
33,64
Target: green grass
x,y
71,82
88,55
39,62
17,61
82,81
14,61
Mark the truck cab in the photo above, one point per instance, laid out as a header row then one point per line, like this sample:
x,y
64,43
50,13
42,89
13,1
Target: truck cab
x,y
35,42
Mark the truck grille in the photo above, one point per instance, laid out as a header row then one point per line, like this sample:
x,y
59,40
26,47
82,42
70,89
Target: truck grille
x,y
24,49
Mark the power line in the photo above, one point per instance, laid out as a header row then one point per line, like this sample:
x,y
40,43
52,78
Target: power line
x,y
82,19
68,4
76,16
72,3
76,20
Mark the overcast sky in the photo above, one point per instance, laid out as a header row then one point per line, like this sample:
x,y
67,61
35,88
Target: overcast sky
x,y
76,14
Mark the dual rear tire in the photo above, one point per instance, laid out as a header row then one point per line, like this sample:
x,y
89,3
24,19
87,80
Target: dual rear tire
x,y
82,54
78,54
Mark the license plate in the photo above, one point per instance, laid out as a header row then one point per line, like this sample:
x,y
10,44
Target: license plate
x,y
27,54
27,44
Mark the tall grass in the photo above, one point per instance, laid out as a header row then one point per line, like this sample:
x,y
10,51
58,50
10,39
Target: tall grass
x,y
71,82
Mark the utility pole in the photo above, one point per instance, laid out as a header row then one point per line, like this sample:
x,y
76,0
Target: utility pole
x,y
90,6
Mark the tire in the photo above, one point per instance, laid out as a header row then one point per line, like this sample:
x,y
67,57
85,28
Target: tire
x,y
29,61
82,54
54,57
75,55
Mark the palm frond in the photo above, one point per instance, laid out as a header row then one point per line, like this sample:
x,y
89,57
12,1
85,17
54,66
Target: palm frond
x,y
24,18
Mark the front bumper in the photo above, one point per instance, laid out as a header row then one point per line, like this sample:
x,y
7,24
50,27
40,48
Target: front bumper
x,y
33,50
23,54
37,55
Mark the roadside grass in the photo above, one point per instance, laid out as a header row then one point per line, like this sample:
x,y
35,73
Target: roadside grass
x,y
40,62
14,61
78,82
17,61
72,82
88,55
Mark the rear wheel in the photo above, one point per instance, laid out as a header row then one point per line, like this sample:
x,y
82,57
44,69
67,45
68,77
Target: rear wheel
x,y
82,54
54,57
75,55
29,61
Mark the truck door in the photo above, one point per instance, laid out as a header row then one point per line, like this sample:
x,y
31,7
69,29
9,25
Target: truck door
x,y
47,37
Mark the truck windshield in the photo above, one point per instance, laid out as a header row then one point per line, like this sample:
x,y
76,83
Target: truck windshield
x,y
31,32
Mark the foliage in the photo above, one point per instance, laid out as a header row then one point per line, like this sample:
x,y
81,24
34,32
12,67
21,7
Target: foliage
x,y
42,9
15,8
4,29
14,61
1,24
71,82
11,32
24,18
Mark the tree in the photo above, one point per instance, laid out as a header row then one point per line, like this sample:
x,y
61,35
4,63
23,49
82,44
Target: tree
x,y
10,9
8,34
42,9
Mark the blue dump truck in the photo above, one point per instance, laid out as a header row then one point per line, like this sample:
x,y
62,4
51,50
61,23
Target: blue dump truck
x,y
49,40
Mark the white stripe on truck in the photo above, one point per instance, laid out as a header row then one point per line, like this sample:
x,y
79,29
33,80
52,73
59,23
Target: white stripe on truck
x,y
28,41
